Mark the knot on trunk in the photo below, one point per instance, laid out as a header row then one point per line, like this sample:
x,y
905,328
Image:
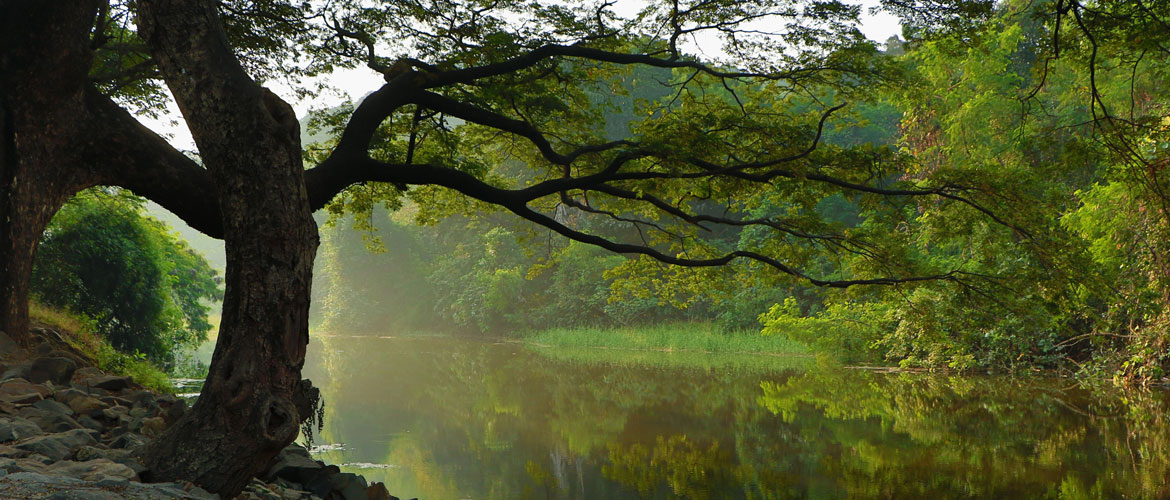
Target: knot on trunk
x,y
279,421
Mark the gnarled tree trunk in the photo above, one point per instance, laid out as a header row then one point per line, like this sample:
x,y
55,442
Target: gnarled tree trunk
x,y
249,141
44,58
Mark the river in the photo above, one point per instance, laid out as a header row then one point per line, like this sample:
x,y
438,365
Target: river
x,y
447,419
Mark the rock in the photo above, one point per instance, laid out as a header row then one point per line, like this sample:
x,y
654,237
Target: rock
x,y
52,406
351,486
89,423
295,464
11,466
109,382
49,421
92,470
17,371
57,446
33,485
44,348
152,427
85,405
87,372
10,452
87,453
22,386
13,428
8,347
128,440
56,369
377,491
21,399
139,412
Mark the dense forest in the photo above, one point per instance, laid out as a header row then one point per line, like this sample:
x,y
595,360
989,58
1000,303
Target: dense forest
x,y
1054,262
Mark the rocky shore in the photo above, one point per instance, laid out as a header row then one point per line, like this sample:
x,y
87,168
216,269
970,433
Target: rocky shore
x,y
68,431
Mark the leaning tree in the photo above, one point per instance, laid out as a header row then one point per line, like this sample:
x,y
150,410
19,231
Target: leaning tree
x,y
471,87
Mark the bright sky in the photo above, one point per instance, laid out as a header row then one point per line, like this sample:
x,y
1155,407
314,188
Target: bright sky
x,y
359,82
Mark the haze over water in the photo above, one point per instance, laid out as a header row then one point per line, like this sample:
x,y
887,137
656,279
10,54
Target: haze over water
x,y
445,418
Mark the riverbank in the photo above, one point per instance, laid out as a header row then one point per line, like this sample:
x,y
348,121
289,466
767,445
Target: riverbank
x,y
69,430
670,337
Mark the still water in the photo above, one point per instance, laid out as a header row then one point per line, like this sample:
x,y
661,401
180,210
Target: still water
x,y
447,419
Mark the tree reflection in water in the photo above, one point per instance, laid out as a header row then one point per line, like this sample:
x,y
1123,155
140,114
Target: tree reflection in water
x,y
460,419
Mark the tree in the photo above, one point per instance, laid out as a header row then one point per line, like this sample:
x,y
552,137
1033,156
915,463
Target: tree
x,y
141,285
469,85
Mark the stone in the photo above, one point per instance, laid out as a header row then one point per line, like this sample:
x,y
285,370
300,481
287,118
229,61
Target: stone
x,y
85,405
152,427
377,491
86,372
52,406
21,399
128,440
8,347
110,383
13,428
22,386
57,446
49,421
351,486
56,369
92,470
10,452
295,464
17,371
89,423
44,348
87,453
43,486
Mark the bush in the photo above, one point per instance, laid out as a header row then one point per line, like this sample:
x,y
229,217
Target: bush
x,y
144,288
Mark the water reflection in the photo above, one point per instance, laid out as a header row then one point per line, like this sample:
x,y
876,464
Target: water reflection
x,y
453,419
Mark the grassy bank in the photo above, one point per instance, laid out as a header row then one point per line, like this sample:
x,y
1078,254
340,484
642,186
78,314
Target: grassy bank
x,y
670,337
79,334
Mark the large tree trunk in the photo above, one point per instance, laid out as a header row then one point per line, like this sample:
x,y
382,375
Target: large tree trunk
x,y
44,57
253,401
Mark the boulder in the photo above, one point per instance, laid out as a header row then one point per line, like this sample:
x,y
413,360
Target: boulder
x,y
22,386
17,371
49,421
53,406
152,427
128,440
110,383
349,486
377,491
57,446
86,372
13,428
8,347
55,369
33,485
86,405
296,465
92,470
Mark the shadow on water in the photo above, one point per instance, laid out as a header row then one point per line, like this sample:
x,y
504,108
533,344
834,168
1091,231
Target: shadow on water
x,y
449,419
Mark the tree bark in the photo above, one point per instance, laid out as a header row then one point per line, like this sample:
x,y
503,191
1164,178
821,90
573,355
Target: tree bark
x,y
253,401
44,58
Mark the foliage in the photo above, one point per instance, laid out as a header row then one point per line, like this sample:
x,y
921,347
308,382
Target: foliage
x,y
669,337
80,332
144,288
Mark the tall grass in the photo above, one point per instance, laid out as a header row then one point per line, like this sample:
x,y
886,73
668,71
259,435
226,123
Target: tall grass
x,y
79,332
669,337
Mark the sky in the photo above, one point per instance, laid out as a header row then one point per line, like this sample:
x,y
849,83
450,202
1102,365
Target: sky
x,y
354,83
